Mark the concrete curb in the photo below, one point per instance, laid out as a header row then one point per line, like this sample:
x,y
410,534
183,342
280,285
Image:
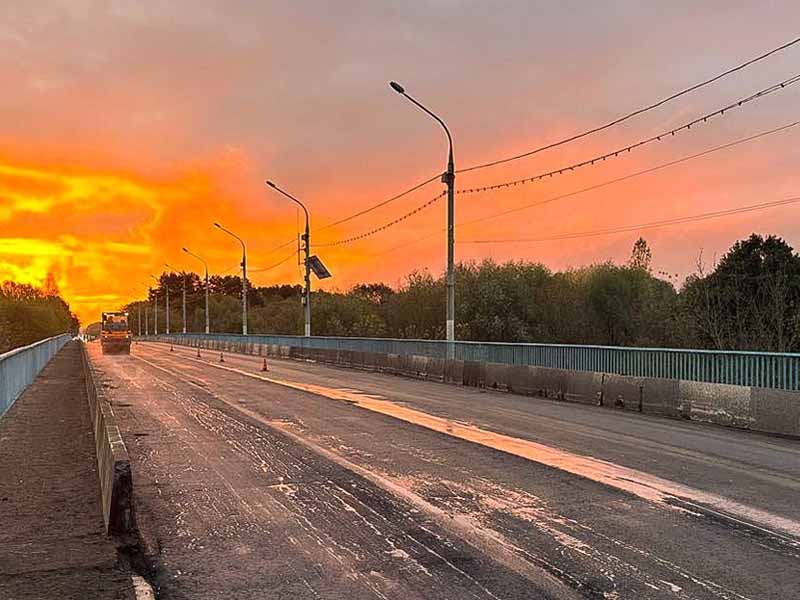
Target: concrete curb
x,y
113,462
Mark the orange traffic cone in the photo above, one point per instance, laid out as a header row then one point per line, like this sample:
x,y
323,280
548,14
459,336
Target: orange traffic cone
x,y
171,349
221,358
264,367
198,352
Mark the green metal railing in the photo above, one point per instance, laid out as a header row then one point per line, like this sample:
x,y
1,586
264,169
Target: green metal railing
x,y
755,369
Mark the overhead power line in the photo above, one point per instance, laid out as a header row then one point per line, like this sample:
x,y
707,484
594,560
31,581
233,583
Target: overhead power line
x,y
380,204
597,186
648,225
360,213
557,143
273,266
385,226
625,149
636,112
609,182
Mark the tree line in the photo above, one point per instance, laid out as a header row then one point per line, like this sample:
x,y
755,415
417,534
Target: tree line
x,y
29,314
750,300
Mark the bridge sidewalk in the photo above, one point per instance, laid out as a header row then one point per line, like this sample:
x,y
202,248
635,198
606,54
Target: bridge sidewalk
x,y
52,539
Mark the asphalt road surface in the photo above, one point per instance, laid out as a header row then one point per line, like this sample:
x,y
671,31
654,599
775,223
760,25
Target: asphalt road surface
x,y
308,481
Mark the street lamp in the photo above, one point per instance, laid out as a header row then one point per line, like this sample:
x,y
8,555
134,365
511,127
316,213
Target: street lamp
x,y
244,275
166,287
183,294
448,177
307,242
146,312
190,253
155,305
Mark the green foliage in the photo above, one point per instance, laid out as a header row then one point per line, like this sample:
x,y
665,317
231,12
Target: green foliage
x,y
751,300
28,314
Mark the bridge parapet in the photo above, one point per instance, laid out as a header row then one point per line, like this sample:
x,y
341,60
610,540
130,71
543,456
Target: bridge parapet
x,y
20,366
770,370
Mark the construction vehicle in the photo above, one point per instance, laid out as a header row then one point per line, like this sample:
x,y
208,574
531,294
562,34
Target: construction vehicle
x,y
115,334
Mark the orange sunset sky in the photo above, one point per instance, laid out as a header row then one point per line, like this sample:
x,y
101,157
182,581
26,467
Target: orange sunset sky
x,y
128,127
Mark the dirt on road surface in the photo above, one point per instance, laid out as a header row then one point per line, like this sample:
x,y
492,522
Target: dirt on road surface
x,y
53,543
304,488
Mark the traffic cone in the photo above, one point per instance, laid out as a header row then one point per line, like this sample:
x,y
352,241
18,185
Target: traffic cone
x,y
221,358
264,367
198,352
171,349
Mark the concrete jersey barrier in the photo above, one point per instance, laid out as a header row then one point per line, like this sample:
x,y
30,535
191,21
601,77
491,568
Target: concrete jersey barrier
x,y
113,462
757,409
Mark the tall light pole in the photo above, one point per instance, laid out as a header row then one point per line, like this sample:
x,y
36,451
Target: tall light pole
x,y
155,305
244,275
307,243
208,329
183,299
146,312
449,178
166,300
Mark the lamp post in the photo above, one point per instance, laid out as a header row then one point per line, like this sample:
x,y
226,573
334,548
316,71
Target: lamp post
x,y
449,178
166,300
155,305
183,299
146,313
307,243
244,275
190,253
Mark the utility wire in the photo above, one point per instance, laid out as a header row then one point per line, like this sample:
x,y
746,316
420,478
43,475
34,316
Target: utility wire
x,y
384,226
630,175
560,142
636,112
648,225
360,213
656,138
277,264
591,161
380,204
594,187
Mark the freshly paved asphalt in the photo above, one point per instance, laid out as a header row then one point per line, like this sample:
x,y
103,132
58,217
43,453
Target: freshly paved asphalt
x,y
52,538
247,488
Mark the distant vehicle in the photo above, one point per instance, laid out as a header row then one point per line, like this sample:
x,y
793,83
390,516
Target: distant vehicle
x,y
115,334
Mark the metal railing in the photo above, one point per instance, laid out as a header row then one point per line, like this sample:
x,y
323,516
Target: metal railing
x,y
755,369
20,366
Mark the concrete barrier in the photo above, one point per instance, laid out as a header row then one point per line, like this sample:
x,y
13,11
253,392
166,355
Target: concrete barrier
x,y
775,411
758,409
113,463
717,403
522,380
474,373
583,387
454,372
434,370
497,376
550,382
662,397
619,391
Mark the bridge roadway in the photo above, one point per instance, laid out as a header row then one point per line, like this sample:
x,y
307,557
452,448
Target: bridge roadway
x,y
316,482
